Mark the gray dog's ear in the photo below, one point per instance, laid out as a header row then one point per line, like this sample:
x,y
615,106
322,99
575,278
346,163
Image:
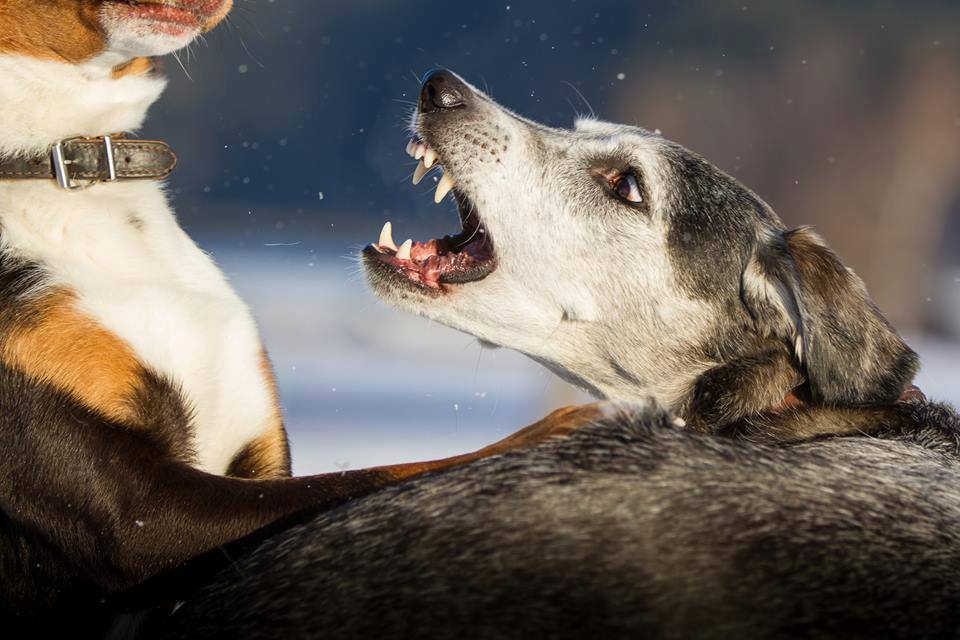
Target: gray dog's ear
x,y
797,290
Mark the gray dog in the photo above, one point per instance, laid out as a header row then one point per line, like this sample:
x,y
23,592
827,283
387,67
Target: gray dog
x,y
633,267
782,482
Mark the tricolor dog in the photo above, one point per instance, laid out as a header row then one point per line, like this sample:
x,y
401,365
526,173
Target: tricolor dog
x,y
139,420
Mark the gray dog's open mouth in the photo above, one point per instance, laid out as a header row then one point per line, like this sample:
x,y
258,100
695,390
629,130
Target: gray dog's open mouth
x,y
465,257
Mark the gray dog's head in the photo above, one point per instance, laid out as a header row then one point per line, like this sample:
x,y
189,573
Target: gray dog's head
x,y
630,265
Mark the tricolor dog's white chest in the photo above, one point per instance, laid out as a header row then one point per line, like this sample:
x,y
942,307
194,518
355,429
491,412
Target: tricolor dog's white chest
x,y
120,251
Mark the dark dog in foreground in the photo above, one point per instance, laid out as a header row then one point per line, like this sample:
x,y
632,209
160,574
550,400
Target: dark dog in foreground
x,y
632,528
803,491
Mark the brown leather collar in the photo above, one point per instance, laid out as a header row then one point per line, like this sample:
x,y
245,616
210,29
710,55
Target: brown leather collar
x,y
77,163
793,401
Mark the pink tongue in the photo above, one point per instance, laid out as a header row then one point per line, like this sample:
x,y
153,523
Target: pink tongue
x,y
420,251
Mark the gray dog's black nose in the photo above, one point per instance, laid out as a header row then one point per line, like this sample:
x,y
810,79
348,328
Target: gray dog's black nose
x,y
442,90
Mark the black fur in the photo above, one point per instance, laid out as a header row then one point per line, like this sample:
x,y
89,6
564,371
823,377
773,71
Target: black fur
x,y
632,528
712,218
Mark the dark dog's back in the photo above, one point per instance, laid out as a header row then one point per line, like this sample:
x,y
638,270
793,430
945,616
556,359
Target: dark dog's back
x,y
631,528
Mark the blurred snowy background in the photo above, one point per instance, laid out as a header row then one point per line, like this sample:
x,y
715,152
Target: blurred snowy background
x,y
290,127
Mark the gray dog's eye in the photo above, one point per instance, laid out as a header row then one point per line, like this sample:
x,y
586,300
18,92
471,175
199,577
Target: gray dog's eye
x,y
626,186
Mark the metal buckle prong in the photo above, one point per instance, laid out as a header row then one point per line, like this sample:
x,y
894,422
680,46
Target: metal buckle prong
x,y
111,163
60,167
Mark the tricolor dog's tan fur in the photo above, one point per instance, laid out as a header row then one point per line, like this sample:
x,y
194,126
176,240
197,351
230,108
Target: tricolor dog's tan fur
x,y
66,348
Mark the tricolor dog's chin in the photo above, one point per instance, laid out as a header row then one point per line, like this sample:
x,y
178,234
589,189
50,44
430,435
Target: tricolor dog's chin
x,y
138,28
631,266
77,32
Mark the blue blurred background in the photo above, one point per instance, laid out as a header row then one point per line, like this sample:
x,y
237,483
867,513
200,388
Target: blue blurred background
x,y
290,124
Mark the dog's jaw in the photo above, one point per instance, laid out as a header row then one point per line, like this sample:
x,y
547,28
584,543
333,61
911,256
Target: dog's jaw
x,y
160,26
519,320
78,31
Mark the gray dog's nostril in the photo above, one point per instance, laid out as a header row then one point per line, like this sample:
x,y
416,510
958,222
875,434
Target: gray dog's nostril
x,y
441,90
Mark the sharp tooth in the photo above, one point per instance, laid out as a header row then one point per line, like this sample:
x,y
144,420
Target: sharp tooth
x,y
386,237
410,147
419,172
429,158
404,251
443,188
419,151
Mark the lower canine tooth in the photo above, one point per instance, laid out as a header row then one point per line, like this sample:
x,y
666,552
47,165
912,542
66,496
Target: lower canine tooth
x,y
386,237
443,188
404,251
419,172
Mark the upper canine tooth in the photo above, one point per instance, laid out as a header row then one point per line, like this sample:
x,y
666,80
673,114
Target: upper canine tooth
x,y
386,236
410,147
404,251
429,158
443,188
419,172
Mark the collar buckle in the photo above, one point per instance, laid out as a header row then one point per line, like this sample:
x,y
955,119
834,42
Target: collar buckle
x,y
61,165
